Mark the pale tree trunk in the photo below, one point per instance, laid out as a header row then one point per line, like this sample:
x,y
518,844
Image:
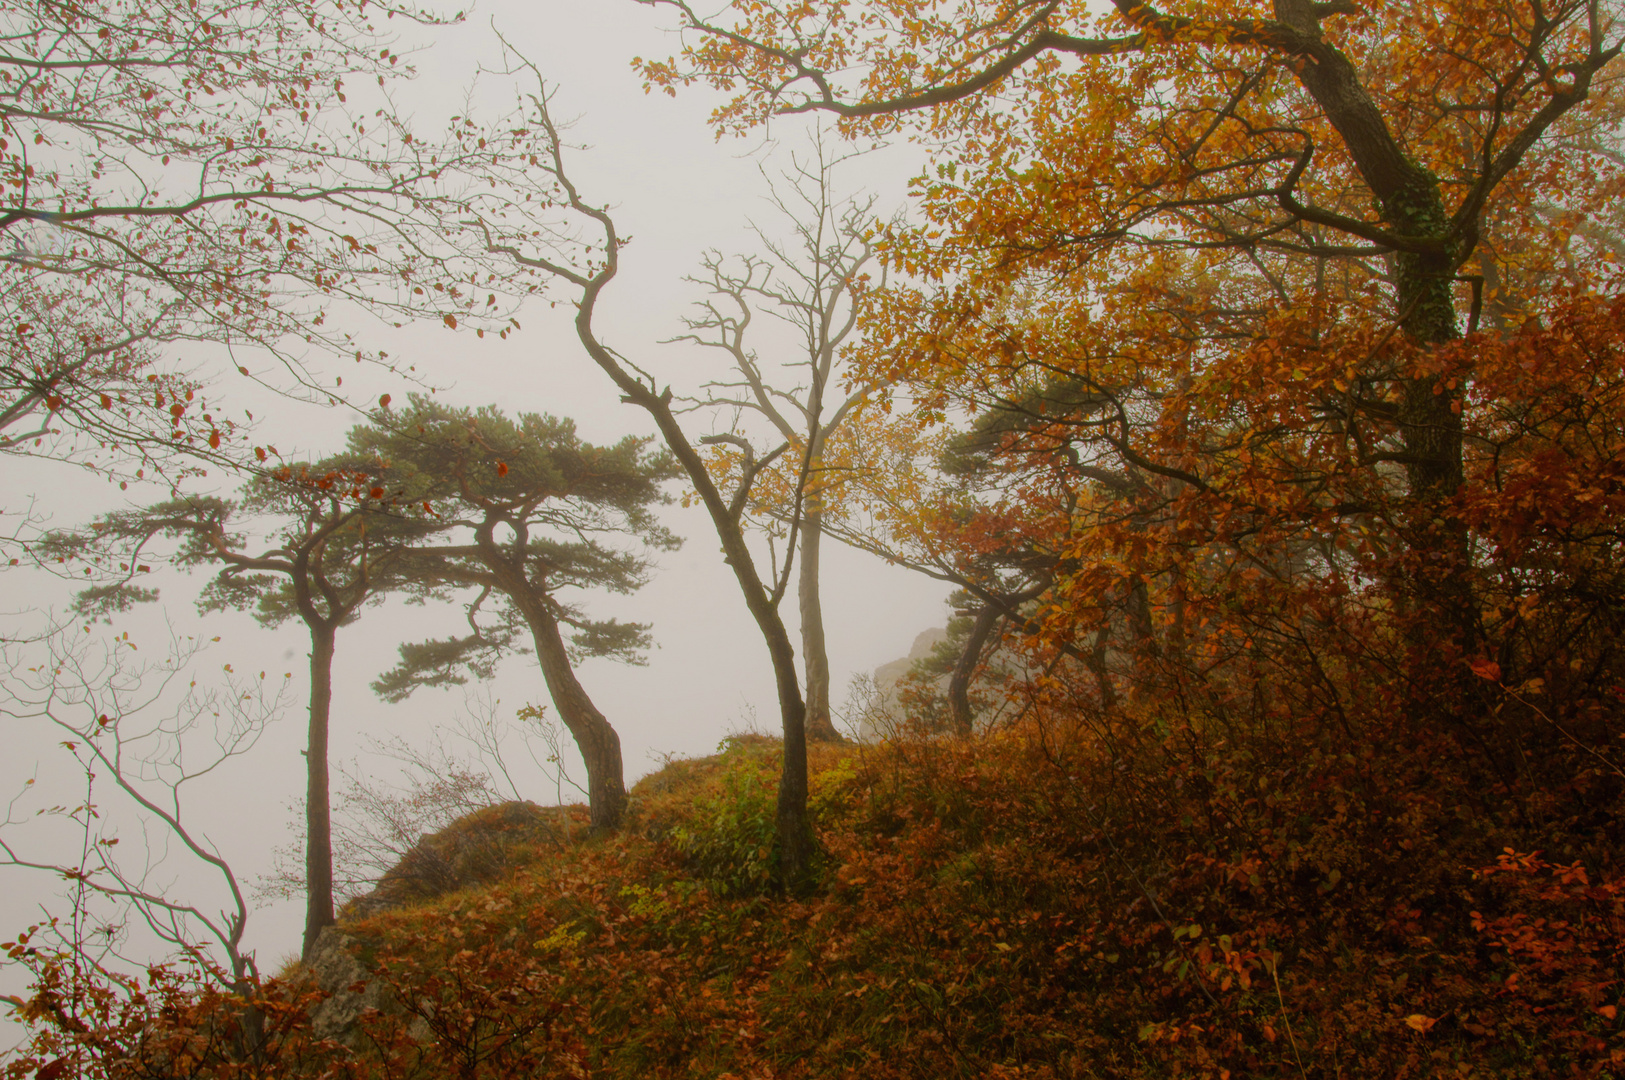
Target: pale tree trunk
x,y
814,656
318,805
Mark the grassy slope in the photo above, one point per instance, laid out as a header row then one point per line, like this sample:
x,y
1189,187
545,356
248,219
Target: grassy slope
x,y
994,909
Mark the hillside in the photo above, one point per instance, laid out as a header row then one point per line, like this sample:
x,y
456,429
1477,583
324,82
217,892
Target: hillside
x,y
988,909
1014,905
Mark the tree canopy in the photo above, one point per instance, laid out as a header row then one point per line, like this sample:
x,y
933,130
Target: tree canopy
x,y
226,173
522,509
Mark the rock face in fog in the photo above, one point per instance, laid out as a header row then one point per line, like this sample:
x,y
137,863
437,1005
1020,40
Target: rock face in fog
x,y
879,716
887,675
993,690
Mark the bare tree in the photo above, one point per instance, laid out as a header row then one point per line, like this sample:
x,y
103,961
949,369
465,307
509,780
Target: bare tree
x,y
143,735
224,172
811,284
583,253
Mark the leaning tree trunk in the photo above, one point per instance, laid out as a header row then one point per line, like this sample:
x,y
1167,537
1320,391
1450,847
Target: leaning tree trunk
x,y
820,728
600,746
796,842
594,736
318,805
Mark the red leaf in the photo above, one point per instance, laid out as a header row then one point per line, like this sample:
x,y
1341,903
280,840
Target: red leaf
x,y
451,321
1486,669
54,1069
502,468
383,402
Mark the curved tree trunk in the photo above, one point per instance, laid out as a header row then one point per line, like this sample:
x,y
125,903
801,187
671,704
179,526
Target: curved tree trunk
x,y
597,740
796,842
594,736
820,728
318,805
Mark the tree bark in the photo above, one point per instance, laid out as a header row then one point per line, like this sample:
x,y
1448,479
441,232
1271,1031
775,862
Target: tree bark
x,y
814,656
318,805
596,738
959,712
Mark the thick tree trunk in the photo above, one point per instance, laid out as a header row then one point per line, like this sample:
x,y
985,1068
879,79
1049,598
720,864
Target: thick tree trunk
x,y
1428,418
1430,425
1412,209
318,806
594,736
820,728
597,740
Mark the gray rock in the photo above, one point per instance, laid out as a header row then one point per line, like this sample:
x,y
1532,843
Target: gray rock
x,y
476,848
334,966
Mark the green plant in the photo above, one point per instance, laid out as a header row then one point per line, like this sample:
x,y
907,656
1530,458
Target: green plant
x,y
728,843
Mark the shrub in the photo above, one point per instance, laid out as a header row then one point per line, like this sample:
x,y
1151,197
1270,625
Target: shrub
x,y
727,841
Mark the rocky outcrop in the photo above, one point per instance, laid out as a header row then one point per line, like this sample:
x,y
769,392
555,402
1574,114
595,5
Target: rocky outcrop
x,y
476,849
334,966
